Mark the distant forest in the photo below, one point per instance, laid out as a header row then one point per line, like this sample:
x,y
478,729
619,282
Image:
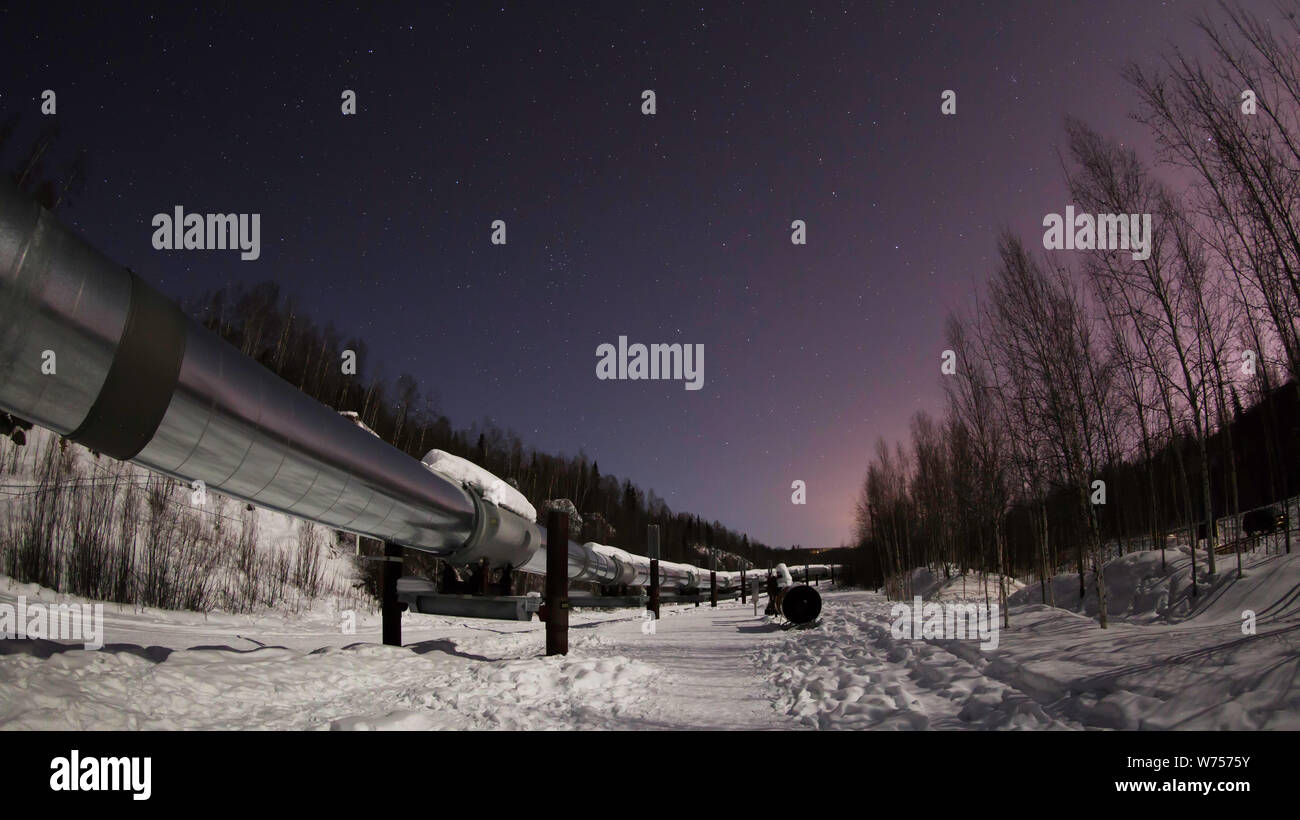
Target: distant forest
x,y
268,327
1103,401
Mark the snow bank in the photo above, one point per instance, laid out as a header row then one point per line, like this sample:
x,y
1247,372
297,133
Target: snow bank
x,y
931,585
489,486
363,686
924,581
1142,589
970,587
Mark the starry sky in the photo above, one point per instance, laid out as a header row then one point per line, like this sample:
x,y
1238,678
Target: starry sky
x,y
666,228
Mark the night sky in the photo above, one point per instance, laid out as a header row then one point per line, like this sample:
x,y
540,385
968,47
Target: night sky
x,y
666,228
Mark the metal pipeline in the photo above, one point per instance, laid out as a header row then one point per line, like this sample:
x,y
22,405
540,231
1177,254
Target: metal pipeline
x,y
810,572
90,351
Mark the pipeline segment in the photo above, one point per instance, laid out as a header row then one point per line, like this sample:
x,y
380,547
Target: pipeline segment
x,y
138,380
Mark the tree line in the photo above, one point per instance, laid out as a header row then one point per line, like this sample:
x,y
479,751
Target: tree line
x,y
1170,379
268,327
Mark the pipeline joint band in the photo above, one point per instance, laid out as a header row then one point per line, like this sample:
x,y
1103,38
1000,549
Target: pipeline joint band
x,y
141,380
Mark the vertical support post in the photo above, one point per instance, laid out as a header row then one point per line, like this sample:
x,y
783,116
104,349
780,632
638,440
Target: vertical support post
x,y
806,575
831,567
389,607
652,544
557,583
713,580
742,585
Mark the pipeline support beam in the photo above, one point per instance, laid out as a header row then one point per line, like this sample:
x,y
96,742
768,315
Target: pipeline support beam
x,y
652,546
390,607
557,583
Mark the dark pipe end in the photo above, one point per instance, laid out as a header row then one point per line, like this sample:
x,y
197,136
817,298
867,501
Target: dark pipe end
x,y
801,604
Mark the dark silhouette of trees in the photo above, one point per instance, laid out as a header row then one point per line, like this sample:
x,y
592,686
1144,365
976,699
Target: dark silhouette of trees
x,y
1170,379
265,325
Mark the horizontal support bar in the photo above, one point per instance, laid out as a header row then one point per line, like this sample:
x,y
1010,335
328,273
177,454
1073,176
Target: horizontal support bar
x,y
421,596
609,601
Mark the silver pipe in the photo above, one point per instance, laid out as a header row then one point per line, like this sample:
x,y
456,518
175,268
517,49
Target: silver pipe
x,y
814,571
136,379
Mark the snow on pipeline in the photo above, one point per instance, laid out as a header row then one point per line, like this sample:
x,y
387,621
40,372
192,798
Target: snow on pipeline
x,y
492,488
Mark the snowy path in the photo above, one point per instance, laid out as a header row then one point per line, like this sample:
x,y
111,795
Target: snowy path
x,y
1055,669
851,673
709,679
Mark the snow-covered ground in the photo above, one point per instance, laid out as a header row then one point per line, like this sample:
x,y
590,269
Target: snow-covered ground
x,y
1161,664
933,586
1164,662
168,670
